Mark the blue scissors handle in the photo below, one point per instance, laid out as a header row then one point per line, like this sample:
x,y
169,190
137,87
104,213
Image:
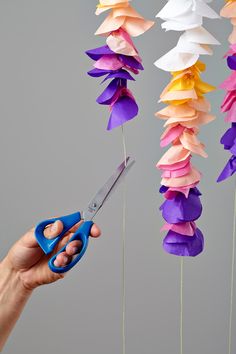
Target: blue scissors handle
x,y
48,245
81,234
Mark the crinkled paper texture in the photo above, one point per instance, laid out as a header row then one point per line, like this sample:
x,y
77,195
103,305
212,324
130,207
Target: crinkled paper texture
x,y
228,105
186,111
119,59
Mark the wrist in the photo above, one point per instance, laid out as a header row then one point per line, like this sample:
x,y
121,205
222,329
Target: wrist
x,y
13,297
10,281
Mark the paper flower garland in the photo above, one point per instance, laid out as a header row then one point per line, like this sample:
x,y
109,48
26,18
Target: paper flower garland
x,y
187,110
229,85
118,59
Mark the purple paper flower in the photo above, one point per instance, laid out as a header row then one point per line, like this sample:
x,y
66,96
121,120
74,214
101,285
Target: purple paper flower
x,y
121,101
229,142
181,209
111,74
116,95
128,62
184,246
228,170
228,139
231,61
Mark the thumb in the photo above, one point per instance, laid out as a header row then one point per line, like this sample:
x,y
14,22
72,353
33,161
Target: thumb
x,y
53,230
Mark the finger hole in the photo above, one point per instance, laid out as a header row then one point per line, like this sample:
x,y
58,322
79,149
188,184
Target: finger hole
x,y
62,260
53,230
73,247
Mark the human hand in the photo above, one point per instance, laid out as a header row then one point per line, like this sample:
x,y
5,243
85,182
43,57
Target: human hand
x,y
29,261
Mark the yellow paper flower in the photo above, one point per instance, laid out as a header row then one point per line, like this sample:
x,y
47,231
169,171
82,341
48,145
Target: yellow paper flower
x,y
229,10
105,5
186,85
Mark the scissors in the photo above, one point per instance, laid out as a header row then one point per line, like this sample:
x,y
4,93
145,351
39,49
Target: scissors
x,y
82,234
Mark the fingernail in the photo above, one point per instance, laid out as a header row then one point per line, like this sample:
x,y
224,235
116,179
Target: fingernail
x,y
56,264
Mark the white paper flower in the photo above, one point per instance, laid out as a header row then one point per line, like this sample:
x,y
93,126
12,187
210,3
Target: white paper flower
x,y
192,43
181,15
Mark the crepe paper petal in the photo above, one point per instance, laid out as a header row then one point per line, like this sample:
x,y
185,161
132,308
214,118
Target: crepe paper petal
x,y
190,142
181,61
184,46
127,18
232,37
229,10
121,43
193,177
108,94
183,110
231,114
97,53
193,48
231,61
175,154
186,16
184,55
163,189
172,191
201,104
184,246
111,74
192,110
98,73
228,170
186,85
123,111
230,83
182,15
228,101
200,35
175,165
181,209
191,122
131,62
171,134
233,149
180,172
186,228
118,58
110,24
119,74
228,139
136,27
232,50
108,62
109,4
184,96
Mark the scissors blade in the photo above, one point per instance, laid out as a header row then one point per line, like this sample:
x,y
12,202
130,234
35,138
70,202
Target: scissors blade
x,y
105,192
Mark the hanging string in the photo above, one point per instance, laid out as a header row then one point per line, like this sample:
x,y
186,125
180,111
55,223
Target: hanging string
x,y
232,278
181,302
123,253
124,143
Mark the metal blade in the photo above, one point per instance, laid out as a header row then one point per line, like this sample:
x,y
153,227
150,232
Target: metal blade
x,y
103,194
